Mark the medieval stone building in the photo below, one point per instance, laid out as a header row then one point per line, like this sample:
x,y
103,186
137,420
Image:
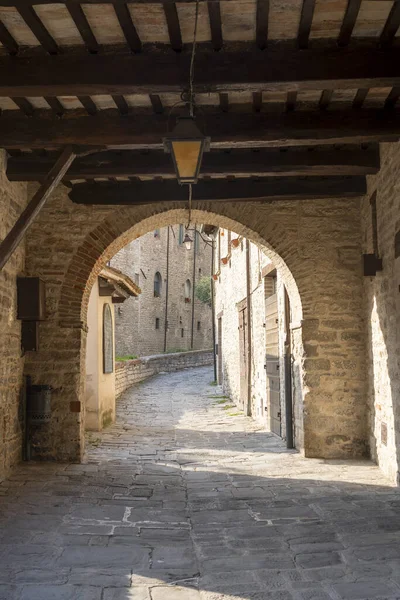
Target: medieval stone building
x,y
166,316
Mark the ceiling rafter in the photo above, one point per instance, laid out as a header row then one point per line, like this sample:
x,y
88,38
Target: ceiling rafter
x,y
236,190
174,29
82,24
349,21
277,68
391,26
7,40
146,130
35,24
262,18
329,161
214,14
307,14
128,27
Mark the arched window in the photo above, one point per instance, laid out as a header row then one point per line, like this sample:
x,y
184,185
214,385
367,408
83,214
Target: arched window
x,y
188,288
157,285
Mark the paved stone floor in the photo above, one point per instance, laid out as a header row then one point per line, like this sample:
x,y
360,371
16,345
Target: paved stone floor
x,y
185,499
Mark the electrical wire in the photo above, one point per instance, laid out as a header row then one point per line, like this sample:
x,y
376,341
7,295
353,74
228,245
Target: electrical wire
x,y
191,74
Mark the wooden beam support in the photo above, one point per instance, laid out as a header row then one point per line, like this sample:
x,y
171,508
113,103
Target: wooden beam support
x,y
127,26
122,105
38,29
82,24
146,130
350,18
350,160
7,40
277,68
224,102
88,104
14,237
392,98
55,105
359,98
156,104
307,14
325,99
174,29
236,190
262,17
214,13
391,26
24,105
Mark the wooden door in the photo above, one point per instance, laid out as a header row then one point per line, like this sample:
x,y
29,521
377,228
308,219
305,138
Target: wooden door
x,y
272,363
243,356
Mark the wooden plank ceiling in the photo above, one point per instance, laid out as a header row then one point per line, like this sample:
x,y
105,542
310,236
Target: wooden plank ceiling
x,y
301,91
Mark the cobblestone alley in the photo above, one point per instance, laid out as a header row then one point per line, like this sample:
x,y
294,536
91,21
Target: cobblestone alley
x,y
186,499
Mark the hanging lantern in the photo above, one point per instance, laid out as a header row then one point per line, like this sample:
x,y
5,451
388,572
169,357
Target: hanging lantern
x,y
186,143
187,240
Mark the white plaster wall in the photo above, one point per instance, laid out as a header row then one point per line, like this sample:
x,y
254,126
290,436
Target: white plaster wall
x,y
100,387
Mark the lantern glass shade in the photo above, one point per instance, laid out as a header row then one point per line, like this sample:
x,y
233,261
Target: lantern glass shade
x,y
188,241
186,144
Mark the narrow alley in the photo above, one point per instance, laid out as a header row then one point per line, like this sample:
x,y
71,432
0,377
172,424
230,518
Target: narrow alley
x,y
186,499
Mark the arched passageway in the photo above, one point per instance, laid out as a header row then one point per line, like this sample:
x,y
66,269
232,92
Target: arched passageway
x,y
311,243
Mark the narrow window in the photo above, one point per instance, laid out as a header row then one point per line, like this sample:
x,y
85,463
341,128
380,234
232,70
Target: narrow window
x,y
157,323
182,332
180,235
199,272
198,325
157,285
188,288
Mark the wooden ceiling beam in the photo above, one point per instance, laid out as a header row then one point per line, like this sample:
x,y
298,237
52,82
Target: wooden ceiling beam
x,y
127,26
307,14
391,26
236,190
7,40
82,24
349,21
214,14
174,29
55,105
34,23
129,163
262,17
146,130
277,68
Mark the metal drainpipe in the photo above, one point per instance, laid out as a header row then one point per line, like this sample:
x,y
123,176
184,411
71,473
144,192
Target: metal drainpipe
x,y
248,286
288,377
166,296
213,310
193,283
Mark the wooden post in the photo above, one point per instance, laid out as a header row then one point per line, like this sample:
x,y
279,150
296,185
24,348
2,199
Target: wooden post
x,y
12,240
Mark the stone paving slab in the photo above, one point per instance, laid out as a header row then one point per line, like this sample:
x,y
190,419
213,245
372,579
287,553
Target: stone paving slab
x,y
181,501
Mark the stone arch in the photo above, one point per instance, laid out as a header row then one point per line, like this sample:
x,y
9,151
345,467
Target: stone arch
x,y
314,244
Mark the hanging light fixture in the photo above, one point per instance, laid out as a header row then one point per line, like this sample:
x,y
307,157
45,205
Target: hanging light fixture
x,y
187,240
186,142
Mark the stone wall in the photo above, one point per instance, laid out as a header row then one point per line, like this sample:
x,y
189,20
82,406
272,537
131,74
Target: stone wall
x,y
136,332
132,371
382,313
13,199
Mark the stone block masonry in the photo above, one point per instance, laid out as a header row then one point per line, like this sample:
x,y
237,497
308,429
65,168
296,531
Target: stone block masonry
x,y
130,372
13,199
